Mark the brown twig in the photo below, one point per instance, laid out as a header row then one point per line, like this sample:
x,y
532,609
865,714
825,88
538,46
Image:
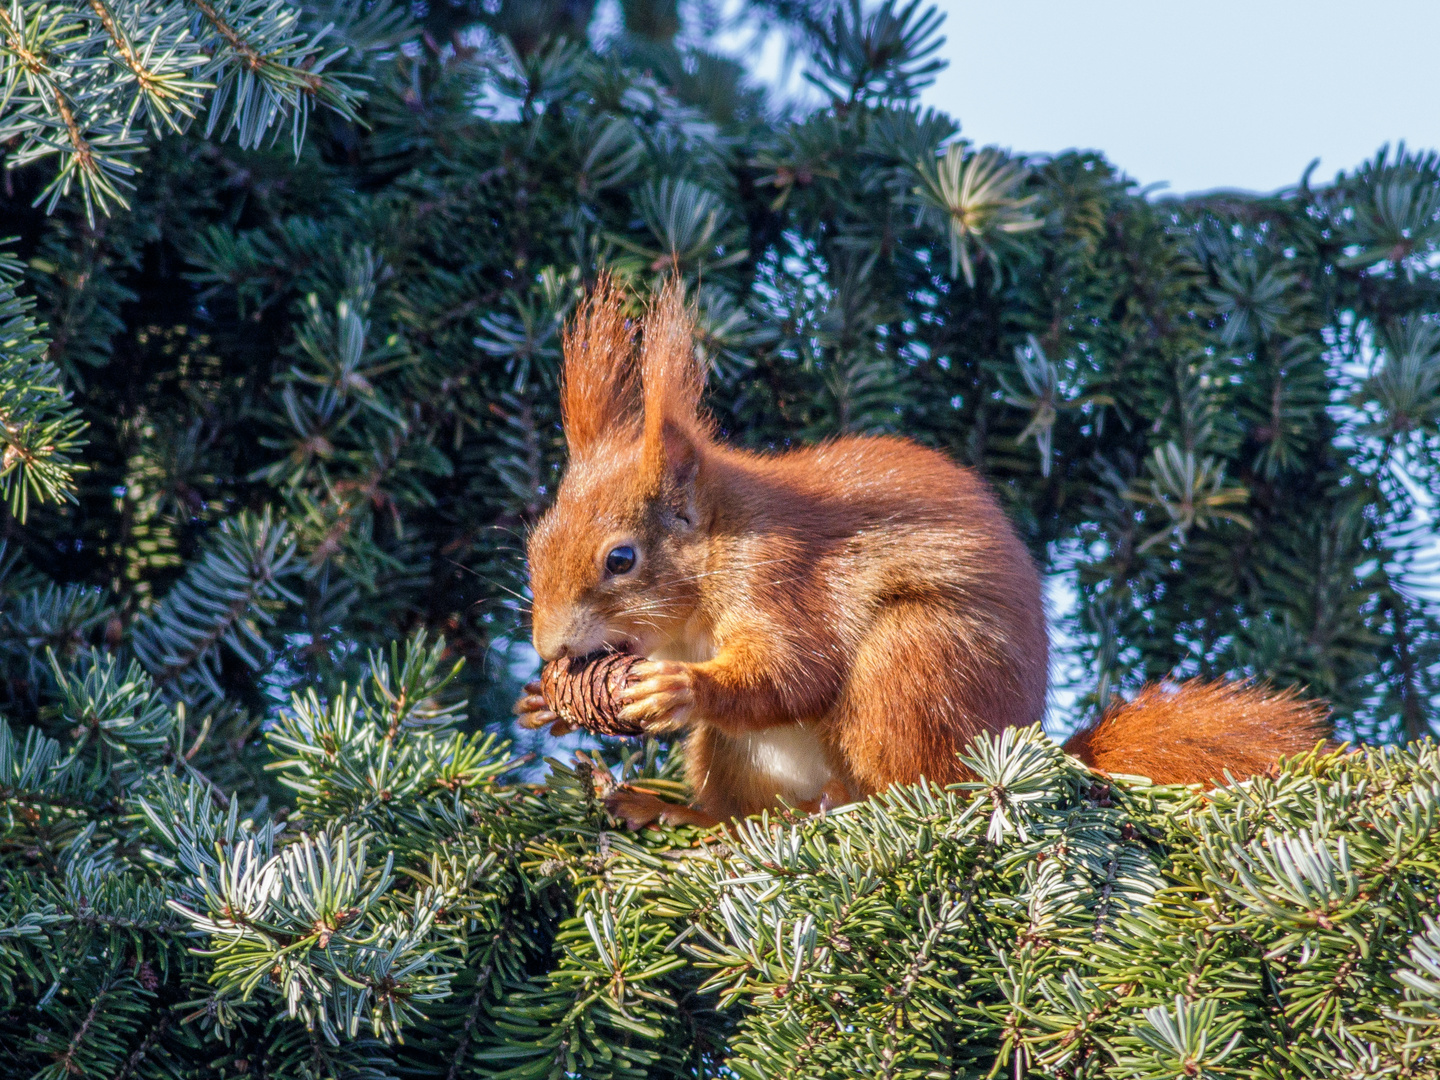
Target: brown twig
x,y
143,75
252,58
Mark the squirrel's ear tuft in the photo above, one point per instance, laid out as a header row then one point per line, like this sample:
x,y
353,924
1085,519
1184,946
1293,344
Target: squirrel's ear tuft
x,y
599,393
672,381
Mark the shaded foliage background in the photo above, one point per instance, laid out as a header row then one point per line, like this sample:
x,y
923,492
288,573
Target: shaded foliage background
x,y
1217,415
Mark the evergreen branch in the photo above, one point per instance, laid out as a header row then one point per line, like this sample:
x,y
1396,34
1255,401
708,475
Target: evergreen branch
x,y
270,70
225,598
138,1055
40,429
87,75
66,1060
974,198
117,714
252,58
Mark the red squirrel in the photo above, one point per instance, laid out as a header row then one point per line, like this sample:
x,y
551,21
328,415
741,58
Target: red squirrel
x,y
821,622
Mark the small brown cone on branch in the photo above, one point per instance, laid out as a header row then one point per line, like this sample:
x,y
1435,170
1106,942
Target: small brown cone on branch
x,y
584,691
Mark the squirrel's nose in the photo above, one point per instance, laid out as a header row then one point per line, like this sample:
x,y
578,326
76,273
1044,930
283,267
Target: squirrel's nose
x,y
552,638
548,650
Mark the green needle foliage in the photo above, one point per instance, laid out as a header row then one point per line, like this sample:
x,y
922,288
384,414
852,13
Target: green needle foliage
x,y
275,416
86,81
420,912
40,429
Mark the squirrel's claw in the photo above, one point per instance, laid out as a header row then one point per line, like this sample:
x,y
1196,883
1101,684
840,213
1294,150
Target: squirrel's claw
x,y
530,703
533,721
661,697
533,713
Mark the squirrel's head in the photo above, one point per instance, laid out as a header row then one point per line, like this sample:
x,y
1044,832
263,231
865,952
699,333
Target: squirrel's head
x,y
617,560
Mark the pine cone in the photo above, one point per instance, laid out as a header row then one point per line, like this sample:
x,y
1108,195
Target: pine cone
x,y
585,690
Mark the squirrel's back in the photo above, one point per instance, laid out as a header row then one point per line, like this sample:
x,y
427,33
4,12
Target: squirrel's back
x,y
883,527
888,505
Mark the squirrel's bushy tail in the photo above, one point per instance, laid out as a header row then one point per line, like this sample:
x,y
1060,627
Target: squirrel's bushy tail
x,y
1196,732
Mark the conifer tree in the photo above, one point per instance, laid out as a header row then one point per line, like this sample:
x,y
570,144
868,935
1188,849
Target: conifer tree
x,y
276,413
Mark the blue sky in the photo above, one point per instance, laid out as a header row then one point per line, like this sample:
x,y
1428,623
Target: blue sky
x,y
1224,93
1196,96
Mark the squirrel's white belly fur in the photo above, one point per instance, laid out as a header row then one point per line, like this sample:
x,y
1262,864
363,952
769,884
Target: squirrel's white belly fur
x,y
790,756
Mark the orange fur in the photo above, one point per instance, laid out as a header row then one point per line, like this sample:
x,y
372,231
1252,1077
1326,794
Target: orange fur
x,y
821,623
598,394
1196,732
671,378
672,382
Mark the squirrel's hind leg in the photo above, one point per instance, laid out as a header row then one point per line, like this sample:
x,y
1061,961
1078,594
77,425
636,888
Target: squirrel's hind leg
x,y
640,808
926,681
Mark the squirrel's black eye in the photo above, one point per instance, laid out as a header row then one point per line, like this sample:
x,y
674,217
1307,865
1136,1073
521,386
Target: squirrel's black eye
x,y
621,560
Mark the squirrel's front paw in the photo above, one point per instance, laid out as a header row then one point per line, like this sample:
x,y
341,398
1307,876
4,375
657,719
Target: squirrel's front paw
x,y
661,697
533,713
